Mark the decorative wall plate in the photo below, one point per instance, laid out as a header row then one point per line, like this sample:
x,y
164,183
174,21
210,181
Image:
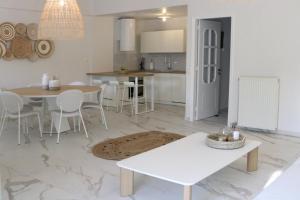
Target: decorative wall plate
x,y
32,31
7,31
44,48
21,47
9,56
21,29
2,49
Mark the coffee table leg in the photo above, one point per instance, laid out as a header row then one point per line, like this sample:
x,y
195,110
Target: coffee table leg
x,y
252,160
126,182
187,193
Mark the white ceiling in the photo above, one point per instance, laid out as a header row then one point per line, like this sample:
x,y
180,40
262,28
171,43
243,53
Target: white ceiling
x,y
178,11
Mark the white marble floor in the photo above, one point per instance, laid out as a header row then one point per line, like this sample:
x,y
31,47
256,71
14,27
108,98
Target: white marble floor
x,y
44,170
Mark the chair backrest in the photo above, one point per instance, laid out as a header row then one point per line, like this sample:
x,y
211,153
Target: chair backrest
x,y
12,102
70,100
35,85
77,83
128,84
113,82
97,82
100,94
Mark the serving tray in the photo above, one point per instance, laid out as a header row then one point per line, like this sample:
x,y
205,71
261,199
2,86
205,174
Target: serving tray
x,y
221,141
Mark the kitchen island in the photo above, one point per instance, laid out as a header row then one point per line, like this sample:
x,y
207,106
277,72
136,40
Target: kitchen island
x,y
125,76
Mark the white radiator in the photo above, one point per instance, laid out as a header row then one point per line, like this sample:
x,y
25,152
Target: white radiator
x,y
258,102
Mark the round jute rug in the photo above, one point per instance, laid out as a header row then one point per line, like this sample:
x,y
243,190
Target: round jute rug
x,y
131,145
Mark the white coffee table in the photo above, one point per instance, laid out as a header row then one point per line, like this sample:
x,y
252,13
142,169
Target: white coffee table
x,y
185,162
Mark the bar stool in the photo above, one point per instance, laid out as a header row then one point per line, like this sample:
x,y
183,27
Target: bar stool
x,y
128,86
131,85
116,95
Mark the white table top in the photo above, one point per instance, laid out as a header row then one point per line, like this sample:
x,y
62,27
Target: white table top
x,y
285,187
186,161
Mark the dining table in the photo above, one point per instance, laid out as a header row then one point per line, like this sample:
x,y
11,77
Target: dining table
x,y
49,100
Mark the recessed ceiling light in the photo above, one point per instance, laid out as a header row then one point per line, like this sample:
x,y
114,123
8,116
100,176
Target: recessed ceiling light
x,y
164,18
164,10
62,2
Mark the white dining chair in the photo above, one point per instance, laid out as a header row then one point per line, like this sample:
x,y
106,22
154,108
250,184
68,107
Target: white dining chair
x,y
14,108
98,104
69,103
77,83
35,101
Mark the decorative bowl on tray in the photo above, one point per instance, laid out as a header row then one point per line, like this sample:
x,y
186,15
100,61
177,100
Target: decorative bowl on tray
x,y
54,88
221,141
54,85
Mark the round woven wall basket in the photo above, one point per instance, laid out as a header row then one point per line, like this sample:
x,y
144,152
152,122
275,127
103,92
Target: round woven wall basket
x,y
7,31
32,31
21,47
2,49
21,29
44,48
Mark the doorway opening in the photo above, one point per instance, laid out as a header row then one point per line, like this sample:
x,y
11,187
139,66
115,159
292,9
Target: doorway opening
x,y
213,50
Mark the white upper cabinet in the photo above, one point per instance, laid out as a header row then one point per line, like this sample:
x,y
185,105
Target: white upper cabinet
x,y
170,41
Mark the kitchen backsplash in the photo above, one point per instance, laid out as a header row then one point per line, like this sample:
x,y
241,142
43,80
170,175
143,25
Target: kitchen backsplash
x,y
177,61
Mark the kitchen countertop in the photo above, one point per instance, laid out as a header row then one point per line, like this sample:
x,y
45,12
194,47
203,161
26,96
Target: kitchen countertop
x,y
122,74
166,72
134,73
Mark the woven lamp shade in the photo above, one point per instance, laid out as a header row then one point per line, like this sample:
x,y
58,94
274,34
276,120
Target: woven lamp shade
x,y
61,20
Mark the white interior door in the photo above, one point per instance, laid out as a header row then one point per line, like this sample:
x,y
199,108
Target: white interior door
x,y
208,65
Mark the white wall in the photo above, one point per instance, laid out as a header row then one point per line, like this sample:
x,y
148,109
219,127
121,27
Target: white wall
x,y
265,43
102,42
71,59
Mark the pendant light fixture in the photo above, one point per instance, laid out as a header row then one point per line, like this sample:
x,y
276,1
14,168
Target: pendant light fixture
x,y
61,20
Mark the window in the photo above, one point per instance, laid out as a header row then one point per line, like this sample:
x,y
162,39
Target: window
x,y
210,53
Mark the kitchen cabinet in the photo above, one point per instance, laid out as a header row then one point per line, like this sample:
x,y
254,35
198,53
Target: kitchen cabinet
x,y
170,41
169,88
178,88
